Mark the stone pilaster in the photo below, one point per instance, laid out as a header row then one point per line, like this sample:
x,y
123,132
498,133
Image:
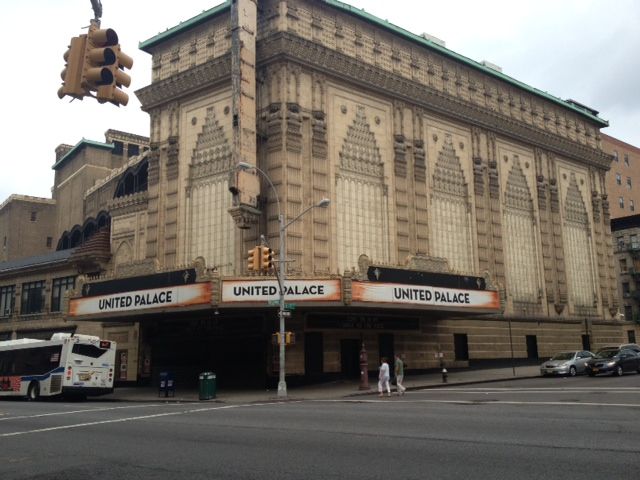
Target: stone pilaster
x,y
481,198
560,297
495,222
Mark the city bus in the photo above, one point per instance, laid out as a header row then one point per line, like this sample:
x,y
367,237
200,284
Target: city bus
x,y
70,365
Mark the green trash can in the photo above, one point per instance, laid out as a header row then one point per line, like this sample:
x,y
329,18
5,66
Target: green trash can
x,y
207,389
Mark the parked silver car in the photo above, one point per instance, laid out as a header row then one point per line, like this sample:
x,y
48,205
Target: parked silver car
x,y
566,363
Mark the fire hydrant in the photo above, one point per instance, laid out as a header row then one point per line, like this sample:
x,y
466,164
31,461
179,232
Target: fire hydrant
x,y
444,375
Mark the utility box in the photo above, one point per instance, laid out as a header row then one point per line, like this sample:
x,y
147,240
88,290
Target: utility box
x,y
166,385
207,384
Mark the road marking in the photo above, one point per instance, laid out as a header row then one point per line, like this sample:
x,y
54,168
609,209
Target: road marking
x,y
141,417
489,402
628,390
89,410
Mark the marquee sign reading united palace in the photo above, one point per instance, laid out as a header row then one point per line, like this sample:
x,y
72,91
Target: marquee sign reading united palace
x,y
425,295
268,290
172,296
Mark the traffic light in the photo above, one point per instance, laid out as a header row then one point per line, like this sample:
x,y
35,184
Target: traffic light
x,y
266,261
289,338
72,73
104,64
253,264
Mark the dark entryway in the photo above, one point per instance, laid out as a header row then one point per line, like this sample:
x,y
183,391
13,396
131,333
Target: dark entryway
x,y
586,342
386,348
461,346
313,354
350,357
234,348
532,347
631,336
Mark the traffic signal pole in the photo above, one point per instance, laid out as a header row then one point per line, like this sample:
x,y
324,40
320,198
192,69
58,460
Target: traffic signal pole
x,y
282,384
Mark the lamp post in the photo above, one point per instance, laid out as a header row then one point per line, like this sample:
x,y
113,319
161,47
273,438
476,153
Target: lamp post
x,y
282,227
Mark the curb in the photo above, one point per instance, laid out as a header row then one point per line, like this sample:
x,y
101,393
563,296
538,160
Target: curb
x,y
448,384
306,398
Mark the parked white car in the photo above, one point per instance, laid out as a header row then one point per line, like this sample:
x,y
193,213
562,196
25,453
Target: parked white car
x,y
566,363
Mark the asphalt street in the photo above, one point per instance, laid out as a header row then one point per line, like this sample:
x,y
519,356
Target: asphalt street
x,y
526,429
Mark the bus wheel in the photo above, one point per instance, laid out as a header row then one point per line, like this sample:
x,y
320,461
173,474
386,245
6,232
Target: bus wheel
x,y
33,392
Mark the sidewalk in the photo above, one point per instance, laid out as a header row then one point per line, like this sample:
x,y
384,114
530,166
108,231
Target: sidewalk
x,y
330,390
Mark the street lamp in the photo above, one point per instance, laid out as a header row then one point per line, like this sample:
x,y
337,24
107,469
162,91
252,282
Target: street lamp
x,y
282,227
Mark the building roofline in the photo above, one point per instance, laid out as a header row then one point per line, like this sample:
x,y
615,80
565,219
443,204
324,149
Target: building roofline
x,y
57,257
569,104
184,26
572,105
79,146
26,198
619,142
121,134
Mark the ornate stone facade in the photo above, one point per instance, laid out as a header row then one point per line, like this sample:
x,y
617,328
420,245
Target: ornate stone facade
x,y
434,165
421,151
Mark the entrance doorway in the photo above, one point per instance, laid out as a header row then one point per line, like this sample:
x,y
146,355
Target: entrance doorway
x,y
532,347
461,346
313,354
586,342
350,357
233,347
386,349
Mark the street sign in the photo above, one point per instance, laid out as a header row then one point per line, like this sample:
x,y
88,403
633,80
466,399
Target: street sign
x,y
273,303
290,306
286,313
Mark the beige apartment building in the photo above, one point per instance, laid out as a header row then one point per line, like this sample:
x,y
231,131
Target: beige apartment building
x,y
50,243
468,215
623,180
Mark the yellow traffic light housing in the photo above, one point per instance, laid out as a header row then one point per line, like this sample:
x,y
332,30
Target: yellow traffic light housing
x,y
289,338
266,261
112,93
72,73
95,67
104,65
253,260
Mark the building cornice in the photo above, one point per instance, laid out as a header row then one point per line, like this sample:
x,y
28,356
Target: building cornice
x,y
285,46
204,76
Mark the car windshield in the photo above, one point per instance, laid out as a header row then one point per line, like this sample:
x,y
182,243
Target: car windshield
x,y
607,353
563,356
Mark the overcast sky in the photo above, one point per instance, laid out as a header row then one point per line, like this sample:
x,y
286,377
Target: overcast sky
x,y
587,50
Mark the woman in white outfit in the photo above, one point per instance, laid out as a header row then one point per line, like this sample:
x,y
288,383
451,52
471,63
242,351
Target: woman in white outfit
x,y
383,377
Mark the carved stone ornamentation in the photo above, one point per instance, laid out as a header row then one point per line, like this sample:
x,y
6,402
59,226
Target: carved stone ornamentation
x,y
274,128
294,128
392,84
172,158
319,132
419,164
400,156
595,204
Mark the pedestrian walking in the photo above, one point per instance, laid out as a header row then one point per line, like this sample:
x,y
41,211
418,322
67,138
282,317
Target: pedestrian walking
x,y
399,371
383,377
